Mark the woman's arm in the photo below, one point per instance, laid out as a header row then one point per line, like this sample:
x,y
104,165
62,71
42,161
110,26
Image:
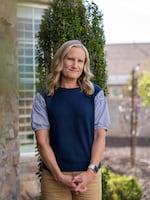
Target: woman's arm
x,y
41,127
46,152
101,124
48,157
98,148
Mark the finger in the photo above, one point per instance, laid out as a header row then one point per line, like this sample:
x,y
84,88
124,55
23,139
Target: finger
x,y
83,189
78,187
76,179
73,186
73,189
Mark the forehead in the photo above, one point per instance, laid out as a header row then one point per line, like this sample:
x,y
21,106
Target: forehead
x,y
77,51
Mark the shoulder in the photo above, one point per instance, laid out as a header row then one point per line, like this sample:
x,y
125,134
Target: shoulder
x,y
97,89
43,92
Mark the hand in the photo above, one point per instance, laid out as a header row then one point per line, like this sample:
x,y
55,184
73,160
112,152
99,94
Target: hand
x,y
67,180
82,180
80,187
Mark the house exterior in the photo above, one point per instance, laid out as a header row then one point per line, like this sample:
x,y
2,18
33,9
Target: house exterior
x,y
121,60
19,23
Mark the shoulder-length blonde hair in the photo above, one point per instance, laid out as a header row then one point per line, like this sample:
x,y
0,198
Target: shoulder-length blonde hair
x,y
54,77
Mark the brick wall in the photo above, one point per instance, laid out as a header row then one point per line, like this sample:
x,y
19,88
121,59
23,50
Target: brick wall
x,y
9,145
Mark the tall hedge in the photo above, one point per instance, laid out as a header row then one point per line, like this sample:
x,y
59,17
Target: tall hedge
x,y
72,19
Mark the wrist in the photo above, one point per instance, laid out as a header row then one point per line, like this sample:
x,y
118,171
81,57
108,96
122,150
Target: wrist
x,y
59,176
91,172
93,168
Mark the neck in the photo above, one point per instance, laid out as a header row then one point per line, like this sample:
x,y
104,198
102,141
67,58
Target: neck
x,y
69,84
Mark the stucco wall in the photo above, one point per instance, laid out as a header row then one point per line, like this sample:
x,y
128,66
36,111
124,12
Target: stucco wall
x,y
9,145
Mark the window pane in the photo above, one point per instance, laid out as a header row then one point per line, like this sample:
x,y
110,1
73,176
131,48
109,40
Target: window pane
x,y
28,52
20,51
28,35
24,12
21,60
37,27
25,75
28,27
28,60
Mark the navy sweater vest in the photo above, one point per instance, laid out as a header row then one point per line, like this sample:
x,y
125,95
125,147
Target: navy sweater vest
x,y
71,117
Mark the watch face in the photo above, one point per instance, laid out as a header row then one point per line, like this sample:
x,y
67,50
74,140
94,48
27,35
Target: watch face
x,y
96,169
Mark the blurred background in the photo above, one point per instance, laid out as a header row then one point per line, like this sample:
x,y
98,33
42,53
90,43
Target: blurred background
x,y
127,54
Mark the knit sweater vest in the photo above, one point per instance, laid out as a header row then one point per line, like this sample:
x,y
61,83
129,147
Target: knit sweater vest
x,y
71,117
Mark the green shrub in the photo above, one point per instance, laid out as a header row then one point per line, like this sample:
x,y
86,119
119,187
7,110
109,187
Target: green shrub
x,y
105,177
120,187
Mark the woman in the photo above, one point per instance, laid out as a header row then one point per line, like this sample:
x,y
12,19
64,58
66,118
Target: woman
x,y
70,123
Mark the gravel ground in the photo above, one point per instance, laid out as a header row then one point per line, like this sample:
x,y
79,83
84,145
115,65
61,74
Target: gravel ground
x,y
118,160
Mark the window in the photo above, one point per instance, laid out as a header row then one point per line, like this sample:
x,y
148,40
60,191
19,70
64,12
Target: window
x,y
115,92
28,22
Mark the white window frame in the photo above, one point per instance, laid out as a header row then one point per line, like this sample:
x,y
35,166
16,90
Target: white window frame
x,y
26,114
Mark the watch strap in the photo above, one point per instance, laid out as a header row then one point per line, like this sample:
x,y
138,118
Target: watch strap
x,y
93,167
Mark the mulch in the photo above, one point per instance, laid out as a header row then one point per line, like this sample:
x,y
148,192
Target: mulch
x,y
118,160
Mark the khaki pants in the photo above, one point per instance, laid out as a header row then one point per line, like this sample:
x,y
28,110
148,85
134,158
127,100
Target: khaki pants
x,y
53,190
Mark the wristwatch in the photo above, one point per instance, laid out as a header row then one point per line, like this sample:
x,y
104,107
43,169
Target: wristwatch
x,y
93,167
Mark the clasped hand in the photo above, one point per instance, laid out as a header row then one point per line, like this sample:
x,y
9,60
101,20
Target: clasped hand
x,y
79,183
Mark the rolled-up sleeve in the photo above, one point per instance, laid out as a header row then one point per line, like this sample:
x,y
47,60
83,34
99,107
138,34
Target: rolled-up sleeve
x,y
39,117
102,117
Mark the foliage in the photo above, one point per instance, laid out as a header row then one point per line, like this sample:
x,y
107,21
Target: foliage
x,y
105,178
144,87
69,19
122,187
39,160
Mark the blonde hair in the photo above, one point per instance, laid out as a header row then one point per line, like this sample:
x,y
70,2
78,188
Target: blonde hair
x,y
54,77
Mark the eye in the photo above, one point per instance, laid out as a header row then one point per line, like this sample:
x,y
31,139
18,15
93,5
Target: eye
x,y
80,61
70,58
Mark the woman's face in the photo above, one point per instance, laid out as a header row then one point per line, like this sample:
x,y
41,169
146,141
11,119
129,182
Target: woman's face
x,y
73,64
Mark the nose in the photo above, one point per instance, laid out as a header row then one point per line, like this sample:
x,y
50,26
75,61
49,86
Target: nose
x,y
75,64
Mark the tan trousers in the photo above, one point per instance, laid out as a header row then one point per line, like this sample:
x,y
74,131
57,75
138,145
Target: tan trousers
x,y
53,190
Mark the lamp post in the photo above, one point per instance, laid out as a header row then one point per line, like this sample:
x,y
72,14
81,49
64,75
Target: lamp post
x,y
134,116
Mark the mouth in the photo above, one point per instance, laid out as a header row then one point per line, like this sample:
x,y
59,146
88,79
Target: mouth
x,y
74,70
